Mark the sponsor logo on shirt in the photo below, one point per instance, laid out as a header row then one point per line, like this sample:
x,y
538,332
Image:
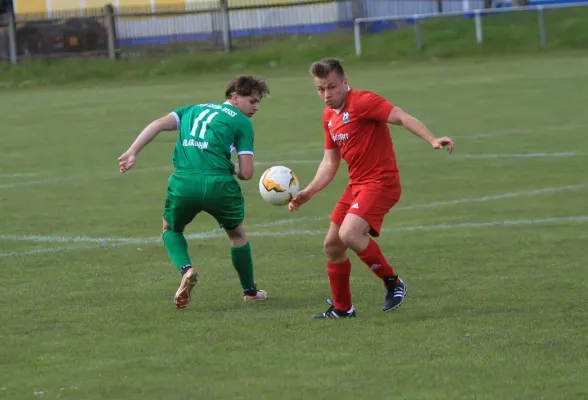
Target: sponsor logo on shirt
x,y
339,138
226,110
195,143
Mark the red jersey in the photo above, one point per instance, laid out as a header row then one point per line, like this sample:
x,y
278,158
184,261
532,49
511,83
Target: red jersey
x,y
361,132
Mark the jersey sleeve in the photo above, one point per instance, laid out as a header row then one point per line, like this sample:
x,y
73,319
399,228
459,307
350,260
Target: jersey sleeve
x,y
329,143
245,138
177,113
374,107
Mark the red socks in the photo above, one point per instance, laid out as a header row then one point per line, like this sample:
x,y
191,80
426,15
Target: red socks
x,y
339,279
372,257
339,274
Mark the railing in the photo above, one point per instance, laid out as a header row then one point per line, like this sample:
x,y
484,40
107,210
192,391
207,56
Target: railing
x,y
219,25
415,19
40,37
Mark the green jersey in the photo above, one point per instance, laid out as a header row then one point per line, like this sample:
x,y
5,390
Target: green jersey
x,y
208,134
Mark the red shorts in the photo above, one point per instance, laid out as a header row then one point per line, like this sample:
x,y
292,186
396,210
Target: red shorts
x,y
367,201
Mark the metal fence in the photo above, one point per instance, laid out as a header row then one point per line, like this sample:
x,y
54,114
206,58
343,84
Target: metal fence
x,y
220,25
476,15
40,37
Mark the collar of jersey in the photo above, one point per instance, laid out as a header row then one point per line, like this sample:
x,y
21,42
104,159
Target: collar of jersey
x,y
229,104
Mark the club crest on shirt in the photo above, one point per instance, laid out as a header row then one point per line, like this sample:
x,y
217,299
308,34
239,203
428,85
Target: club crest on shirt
x,y
345,117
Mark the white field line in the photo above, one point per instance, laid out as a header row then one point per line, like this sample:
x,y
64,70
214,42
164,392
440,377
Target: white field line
x,y
546,129
455,156
220,232
520,222
270,163
551,129
482,199
516,155
45,250
36,182
17,175
211,234
112,174
286,162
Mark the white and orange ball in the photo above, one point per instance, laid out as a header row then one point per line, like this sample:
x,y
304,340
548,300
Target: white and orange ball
x,y
278,185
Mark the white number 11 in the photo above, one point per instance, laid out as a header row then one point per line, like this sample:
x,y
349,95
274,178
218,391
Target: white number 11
x,y
199,119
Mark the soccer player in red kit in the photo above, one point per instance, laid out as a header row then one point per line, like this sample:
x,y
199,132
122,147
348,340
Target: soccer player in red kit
x,y
355,124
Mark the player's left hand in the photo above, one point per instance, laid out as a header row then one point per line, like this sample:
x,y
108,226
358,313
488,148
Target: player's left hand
x,y
302,197
442,142
126,161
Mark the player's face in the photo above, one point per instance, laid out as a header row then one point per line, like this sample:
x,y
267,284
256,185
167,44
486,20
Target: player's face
x,y
248,105
332,89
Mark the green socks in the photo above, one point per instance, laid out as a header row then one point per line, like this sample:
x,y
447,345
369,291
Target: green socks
x,y
243,263
177,248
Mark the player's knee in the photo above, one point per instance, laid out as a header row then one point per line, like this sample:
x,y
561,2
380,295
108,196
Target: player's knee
x,y
237,236
351,238
238,242
334,249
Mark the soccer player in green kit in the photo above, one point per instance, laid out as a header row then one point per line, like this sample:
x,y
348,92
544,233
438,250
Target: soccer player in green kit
x,y
205,176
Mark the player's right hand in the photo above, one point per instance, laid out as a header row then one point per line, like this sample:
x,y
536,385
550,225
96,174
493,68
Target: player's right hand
x,y
302,197
126,161
443,142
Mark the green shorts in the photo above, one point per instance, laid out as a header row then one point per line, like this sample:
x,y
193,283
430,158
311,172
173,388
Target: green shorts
x,y
189,194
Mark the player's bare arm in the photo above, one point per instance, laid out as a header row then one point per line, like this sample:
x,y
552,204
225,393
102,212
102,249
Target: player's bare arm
x,y
401,118
324,175
244,170
127,159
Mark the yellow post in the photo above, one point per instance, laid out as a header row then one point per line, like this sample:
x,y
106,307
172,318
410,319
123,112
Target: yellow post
x,y
170,5
65,5
29,7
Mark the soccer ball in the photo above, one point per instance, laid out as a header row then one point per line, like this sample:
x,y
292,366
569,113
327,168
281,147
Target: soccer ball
x,y
278,185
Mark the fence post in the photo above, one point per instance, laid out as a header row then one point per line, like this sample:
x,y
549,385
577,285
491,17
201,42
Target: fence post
x,y
542,33
12,47
357,37
110,31
479,32
417,33
225,25
357,9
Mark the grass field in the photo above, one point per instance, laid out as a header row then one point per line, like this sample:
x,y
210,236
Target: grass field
x,y
491,242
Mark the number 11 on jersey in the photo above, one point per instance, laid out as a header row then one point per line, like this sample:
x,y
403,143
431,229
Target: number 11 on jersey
x,y
199,119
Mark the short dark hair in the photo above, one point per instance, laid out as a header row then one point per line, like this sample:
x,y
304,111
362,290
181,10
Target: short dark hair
x,y
322,68
247,85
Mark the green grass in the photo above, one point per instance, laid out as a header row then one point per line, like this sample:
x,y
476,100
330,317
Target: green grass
x,y
505,34
493,311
